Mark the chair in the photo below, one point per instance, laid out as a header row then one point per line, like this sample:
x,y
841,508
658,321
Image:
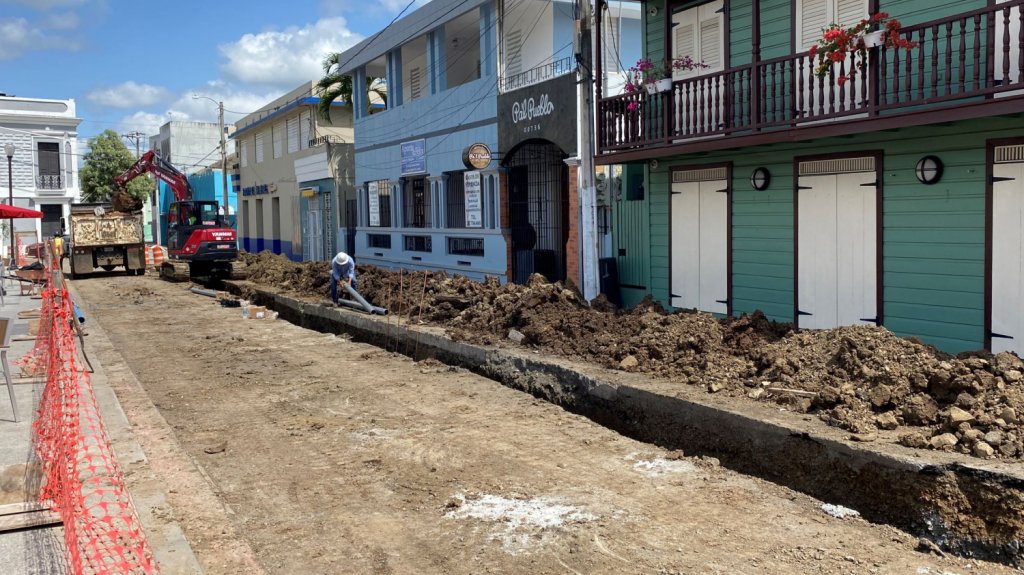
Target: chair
x,y
5,335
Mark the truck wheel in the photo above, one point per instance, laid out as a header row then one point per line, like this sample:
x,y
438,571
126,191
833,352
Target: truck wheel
x,y
108,268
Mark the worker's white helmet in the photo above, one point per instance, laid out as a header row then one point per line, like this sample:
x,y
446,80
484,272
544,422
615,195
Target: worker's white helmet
x,y
341,259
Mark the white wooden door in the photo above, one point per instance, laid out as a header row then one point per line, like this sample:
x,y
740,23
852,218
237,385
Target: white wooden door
x,y
836,250
314,244
699,246
1008,258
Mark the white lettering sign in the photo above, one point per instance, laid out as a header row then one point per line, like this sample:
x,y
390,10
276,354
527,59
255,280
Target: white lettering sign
x,y
373,202
528,110
474,203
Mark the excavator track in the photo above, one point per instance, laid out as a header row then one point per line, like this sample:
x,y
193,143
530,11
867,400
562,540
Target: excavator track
x,y
239,271
174,271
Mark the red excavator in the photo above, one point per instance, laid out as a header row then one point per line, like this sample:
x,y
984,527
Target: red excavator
x,y
200,245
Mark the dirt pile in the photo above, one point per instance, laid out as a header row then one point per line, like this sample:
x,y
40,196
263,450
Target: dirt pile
x,y
861,379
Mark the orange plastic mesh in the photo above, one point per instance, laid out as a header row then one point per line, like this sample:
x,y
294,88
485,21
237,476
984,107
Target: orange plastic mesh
x,y
83,482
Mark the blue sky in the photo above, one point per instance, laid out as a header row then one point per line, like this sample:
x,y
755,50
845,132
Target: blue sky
x,y
134,65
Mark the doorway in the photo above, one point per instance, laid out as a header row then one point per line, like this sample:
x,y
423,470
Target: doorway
x,y
700,240
538,202
1006,314
837,240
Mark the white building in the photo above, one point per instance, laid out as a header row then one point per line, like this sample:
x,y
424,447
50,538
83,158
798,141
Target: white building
x,y
42,136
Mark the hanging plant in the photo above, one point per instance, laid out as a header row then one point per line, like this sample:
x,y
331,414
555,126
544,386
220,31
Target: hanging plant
x,y
838,43
645,73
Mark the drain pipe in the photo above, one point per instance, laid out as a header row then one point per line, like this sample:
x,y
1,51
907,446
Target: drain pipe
x,y
362,303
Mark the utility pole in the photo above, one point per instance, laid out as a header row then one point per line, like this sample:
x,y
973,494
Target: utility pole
x,y
587,195
223,159
137,138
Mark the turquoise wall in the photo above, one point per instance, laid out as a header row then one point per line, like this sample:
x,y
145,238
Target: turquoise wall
x,y
933,236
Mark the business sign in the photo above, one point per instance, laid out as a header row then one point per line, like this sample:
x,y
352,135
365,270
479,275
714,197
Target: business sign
x,y
544,111
258,190
477,157
474,201
373,202
414,157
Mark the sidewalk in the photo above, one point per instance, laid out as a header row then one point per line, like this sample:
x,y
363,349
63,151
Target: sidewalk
x,y
41,550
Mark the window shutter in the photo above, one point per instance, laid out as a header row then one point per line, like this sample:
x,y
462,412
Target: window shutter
x,y
244,153
513,52
711,43
814,17
293,135
684,38
259,147
305,126
278,132
849,12
415,82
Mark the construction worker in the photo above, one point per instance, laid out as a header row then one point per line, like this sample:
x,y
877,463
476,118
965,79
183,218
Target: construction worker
x,y
343,268
58,247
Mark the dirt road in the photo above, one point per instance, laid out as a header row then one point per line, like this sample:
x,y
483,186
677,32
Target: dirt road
x,y
329,456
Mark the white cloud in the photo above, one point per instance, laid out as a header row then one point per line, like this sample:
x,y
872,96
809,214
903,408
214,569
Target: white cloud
x,y
18,35
65,21
129,95
144,122
288,57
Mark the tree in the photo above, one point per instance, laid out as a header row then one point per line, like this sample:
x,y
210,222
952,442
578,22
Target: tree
x,y
334,86
108,157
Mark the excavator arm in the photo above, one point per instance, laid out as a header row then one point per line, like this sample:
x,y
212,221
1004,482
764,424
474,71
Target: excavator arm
x,y
152,162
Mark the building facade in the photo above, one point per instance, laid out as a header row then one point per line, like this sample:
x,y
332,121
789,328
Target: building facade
x,y
43,135
276,146
473,167
890,197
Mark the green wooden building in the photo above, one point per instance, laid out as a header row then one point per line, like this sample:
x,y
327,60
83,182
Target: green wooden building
x,y
894,197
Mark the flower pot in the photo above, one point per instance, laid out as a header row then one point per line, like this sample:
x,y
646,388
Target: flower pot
x,y
652,89
665,85
873,39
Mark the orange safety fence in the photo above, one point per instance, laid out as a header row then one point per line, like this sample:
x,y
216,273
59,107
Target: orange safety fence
x,y
83,481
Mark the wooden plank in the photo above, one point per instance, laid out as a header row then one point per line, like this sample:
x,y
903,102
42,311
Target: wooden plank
x,y
22,507
23,338
30,519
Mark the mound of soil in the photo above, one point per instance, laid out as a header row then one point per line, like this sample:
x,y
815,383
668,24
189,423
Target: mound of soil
x,y
861,379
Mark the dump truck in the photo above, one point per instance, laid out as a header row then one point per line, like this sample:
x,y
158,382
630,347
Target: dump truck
x,y
104,238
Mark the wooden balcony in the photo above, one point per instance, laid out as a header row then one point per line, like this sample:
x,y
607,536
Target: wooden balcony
x,y
964,66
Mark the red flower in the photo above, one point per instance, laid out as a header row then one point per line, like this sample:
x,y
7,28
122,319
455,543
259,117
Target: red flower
x,y
841,80
814,50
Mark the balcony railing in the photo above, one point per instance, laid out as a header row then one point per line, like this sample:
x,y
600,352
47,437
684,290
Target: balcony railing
x,y
537,75
49,182
970,57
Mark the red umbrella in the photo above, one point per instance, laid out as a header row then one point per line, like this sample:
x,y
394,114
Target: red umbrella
x,y
7,212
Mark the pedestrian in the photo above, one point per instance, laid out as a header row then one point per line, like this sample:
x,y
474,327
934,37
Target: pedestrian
x,y
343,268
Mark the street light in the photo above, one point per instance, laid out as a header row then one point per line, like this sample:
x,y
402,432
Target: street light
x,y
223,151
9,150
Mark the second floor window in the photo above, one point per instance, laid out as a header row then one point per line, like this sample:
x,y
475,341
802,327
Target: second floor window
x,y
278,139
814,15
259,147
699,33
48,177
293,135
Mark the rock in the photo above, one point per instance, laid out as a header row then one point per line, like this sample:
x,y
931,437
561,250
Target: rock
x,y
715,387
1009,415
629,362
879,395
957,416
974,435
887,421
976,363
1012,376
516,336
982,449
919,381
755,393
863,437
920,410
914,440
994,437
943,441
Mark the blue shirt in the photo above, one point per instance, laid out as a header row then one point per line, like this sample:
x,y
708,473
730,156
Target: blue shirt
x,y
345,270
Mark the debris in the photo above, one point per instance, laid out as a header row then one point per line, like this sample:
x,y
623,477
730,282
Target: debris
x,y
838,511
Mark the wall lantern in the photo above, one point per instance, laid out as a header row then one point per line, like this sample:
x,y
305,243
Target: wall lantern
x,y
928,170
760,178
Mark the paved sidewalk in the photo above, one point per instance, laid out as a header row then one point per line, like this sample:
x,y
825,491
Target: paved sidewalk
x,y
41,550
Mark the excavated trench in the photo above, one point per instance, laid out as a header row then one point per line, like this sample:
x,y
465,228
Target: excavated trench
x,y
963,505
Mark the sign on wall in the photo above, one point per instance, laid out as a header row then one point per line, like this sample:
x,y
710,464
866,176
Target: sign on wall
x,y
414,157
474,200
544,111
477,157
373,202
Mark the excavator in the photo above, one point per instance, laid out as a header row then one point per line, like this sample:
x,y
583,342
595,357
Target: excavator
x,y
200,245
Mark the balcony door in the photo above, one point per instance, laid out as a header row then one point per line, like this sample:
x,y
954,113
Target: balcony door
x,y
837,239
48,177
1008,34
699,32
815,97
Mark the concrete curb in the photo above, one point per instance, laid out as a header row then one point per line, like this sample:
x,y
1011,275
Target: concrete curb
x,y
965,507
